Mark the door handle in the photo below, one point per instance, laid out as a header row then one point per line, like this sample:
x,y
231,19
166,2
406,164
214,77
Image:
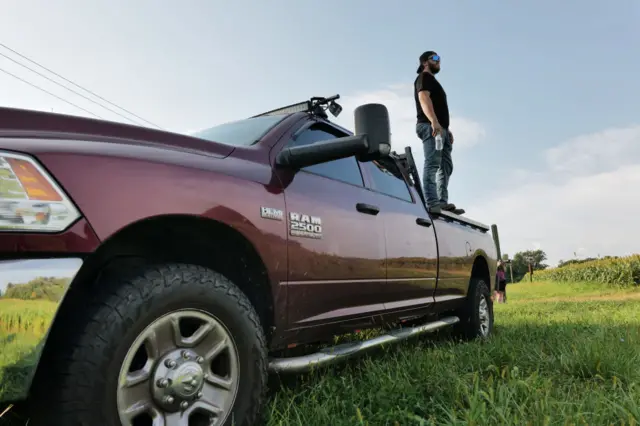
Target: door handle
x,y
423,222
367,209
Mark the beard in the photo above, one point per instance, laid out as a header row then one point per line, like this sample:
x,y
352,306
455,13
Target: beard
x,y
434,69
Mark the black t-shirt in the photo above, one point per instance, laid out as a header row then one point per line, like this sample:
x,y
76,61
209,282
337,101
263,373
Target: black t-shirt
x,y
426,81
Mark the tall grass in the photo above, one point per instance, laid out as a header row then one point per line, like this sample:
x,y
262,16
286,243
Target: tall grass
x,y
25,316
23,324
620,272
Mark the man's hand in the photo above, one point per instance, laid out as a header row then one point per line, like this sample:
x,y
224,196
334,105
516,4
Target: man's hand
x,y
451,137
437,128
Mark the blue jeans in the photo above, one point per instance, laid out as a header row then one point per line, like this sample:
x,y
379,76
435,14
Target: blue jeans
x,y
438,165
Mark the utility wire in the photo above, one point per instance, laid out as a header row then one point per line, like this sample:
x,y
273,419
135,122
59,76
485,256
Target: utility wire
x,y
52,94
78,86
71,90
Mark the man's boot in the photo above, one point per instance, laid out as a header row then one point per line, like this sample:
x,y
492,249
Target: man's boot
x,y
450,207
436,208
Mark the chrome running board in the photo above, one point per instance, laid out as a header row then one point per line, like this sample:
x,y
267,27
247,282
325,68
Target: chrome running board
x,y
341,352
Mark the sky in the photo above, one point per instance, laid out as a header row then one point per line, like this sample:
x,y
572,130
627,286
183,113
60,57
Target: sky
x,y
23,271
543,95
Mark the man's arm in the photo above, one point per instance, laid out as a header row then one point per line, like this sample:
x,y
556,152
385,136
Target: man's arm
x,y
427,106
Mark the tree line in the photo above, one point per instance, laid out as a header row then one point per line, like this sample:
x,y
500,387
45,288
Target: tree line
x,y
520,263
41,288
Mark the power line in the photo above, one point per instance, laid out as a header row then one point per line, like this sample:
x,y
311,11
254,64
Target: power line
x,y
52,94
78,86
71,90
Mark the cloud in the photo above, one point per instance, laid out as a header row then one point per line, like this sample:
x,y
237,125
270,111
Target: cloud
x,y
399,101
602,151
585,201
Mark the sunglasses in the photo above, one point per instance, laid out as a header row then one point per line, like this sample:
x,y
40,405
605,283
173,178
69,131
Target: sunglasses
x,y
435,58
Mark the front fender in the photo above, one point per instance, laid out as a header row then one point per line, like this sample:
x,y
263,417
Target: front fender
x,y
113,192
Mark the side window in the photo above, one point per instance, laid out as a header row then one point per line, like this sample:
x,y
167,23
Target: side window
x,y
344,169
387,179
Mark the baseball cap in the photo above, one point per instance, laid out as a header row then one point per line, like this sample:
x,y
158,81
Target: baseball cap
x,y
426,55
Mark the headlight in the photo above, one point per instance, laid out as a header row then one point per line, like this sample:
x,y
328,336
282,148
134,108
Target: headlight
x,y
29,199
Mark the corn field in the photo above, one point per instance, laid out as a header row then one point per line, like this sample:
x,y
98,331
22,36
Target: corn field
x,y
25,316
620,272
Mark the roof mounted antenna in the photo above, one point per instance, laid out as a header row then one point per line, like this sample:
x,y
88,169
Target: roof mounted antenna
x,y
316,106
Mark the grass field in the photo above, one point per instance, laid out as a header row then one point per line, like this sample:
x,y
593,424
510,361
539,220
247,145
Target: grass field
x,y
562,354
22,326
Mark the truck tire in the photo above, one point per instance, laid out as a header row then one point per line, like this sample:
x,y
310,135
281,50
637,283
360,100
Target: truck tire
x,y
174,341
476,316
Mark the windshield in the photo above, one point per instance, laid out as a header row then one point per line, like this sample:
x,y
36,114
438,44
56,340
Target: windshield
x,y
242,132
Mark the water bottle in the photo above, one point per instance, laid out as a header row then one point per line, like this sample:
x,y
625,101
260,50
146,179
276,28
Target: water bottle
x,y
439,142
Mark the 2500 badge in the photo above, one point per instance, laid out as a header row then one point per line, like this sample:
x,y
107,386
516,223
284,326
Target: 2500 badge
x,y
302,225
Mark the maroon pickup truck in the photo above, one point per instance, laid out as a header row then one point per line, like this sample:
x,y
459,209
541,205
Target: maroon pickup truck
x,y
154,278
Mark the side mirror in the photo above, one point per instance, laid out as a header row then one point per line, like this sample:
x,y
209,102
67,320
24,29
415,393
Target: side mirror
x,y
372,123
371,141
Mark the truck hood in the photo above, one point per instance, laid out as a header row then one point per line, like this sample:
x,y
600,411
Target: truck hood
x,y
51,130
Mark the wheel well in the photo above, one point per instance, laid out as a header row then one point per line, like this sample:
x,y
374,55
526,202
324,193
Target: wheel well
x,y
187,239
481,270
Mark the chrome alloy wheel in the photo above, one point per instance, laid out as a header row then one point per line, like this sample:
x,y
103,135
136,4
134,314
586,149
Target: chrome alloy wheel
x,y
182,370
483,313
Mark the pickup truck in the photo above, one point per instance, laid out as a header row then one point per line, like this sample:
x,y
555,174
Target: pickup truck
x,y
155,278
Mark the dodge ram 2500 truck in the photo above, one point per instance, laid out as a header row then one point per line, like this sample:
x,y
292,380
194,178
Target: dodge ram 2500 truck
x,y
154,278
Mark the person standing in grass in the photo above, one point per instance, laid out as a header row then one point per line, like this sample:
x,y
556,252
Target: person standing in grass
x,y
502,283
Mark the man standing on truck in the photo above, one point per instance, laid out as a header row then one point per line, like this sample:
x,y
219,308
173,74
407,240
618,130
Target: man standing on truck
x,y
433,129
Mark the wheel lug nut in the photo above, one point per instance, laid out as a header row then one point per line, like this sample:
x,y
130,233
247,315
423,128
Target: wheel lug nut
x,y
170,363
194,382
206,376
184,405
185,355
200,360
162,383
199,395
168,399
